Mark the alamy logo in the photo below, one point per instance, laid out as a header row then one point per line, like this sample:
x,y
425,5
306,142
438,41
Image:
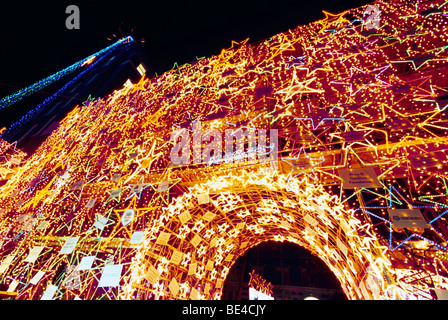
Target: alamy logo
x,y
250,145
72,21
373,19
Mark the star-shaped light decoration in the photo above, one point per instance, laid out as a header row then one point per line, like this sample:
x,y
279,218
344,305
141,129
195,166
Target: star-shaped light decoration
x,y
284,45
126,218
137,189
88,101
295,61
227,54
302,165
298,87
146,161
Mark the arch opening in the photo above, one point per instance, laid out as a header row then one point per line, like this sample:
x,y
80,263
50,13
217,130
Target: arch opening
x,y
293,272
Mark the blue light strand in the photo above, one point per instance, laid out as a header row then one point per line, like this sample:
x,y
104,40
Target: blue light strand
x,y
439,216
19,95
378,217
422,238
28,116
391,248
390,196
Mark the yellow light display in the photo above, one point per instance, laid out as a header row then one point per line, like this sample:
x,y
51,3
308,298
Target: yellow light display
x,y
217,234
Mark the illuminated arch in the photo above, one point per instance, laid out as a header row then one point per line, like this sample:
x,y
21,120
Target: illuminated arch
x,y
190,248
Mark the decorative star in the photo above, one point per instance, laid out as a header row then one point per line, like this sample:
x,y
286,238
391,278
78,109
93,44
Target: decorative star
x,y
295,61
227,54
137,189
128,227
236,44
349,142
284,45
88,101
331,17
146,161
309,165
298,87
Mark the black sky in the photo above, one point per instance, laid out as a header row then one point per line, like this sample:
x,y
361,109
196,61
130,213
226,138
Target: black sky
x,y
35,42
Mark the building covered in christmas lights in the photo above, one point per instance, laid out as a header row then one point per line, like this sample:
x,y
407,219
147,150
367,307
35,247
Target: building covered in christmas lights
x,y
331,136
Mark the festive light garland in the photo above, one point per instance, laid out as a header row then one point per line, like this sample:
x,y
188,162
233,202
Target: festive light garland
x,y
362,133
91,61
39,85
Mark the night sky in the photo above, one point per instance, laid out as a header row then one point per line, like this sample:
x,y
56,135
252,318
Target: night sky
x,y
35,42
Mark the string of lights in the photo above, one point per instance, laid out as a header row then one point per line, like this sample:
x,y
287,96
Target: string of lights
x,y
39,85
91,61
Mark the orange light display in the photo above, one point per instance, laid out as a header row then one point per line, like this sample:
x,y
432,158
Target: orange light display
x,y
359,179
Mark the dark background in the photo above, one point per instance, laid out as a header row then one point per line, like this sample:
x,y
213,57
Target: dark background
x,y
35,42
